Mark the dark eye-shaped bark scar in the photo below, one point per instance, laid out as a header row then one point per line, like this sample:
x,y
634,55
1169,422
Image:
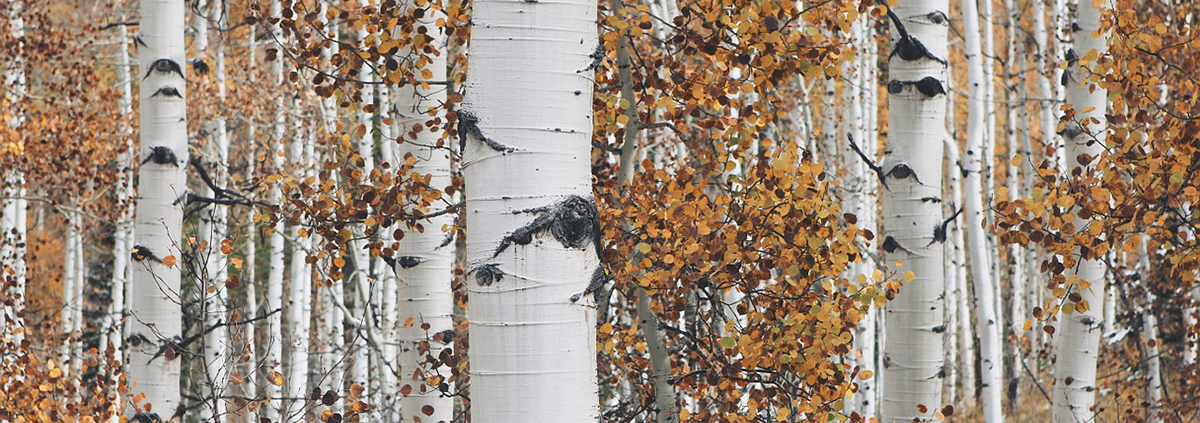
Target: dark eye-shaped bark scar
x,y
927,86
140,253
488,274
163,155
597,59
409,262
165,66
939,231
909,48
167,91
574,222
405,262
890,245
468,126
902,171
599,278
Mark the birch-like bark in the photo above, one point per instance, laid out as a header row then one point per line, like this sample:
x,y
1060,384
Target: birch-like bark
x,y
114,325
961,364
1079,332
154,297
424,269
973,166
299,299
273,361
527,124
13,228
912,223
1152,363
212,228
859,199
250,250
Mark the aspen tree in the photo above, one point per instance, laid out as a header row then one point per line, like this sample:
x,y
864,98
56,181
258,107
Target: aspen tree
x,y
1084,132
532,229
913,228
154,301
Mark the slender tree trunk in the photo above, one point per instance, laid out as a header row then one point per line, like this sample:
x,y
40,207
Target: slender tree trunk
x,y
212,228
249,275
1079,332
114,332
973,166
297,310
532,317
273,362
958,322
424,269
1149,337
154,298
13,207
913,360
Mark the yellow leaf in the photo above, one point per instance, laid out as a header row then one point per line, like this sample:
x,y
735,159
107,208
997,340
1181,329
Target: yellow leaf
x,y
55,373
909,276
275,378
169,261
866,374
644,248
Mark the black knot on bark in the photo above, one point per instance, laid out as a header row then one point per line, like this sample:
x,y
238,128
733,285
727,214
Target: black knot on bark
x,y
409,262
140,253
599,278
574,222
165,66
167,91
163,155
488,274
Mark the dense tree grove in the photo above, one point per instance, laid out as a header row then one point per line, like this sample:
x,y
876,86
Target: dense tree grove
x,y
577,211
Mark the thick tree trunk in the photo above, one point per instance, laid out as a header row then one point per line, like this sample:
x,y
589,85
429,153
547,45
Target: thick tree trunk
x,y
912,224
530,213
1079,332
973,166
154,298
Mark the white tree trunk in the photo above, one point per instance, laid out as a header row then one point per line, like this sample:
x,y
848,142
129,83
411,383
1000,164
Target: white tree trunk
x,y
1150,341
961,333
987,318
913,360
249,277
859,199
154,298
114,332
1079,333
273,361
424,268
527,127
297,310
212,228
13,229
